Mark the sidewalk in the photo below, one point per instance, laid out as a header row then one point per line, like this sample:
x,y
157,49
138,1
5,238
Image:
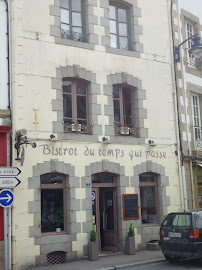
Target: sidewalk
x,y
112,262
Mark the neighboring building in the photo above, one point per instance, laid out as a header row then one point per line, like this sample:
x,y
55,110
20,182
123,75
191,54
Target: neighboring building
x,y
86,73
187,21
4,110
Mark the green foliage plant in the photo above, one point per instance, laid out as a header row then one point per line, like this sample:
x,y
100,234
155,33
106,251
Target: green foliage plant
x,y
131,230
93,236
58,218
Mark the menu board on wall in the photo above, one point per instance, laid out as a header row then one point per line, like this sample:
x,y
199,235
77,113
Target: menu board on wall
x,y
130,206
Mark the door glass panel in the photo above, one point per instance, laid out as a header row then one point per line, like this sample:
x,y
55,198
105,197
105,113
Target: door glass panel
x,y
67,86
80,88
94,217
116,92
109,211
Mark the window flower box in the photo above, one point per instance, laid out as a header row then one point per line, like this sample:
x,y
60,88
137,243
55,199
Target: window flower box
x,y
124,130
75,127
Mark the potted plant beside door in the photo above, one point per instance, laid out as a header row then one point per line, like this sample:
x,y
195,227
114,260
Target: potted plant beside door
x,y
93,247
130,240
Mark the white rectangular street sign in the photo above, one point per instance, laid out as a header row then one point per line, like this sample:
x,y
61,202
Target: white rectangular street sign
x,y
9,182
9,171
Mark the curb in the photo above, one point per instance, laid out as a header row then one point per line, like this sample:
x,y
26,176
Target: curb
x,y
124,266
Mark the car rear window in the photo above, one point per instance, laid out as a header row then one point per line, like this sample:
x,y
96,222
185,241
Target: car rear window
x,y
181,220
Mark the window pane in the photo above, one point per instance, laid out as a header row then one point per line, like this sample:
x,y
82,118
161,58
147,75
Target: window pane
x,y
67,86
177,220
76,19
127,106
51,179
116,92
148,205
112,12
122,17
113,41
77,31
52,210
116,111
67,106
123,43
113,27
81,107
76,5
102,178
80,88
123,29
64,3
65,16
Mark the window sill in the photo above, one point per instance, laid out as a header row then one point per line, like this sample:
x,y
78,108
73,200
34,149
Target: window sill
x,y
122,52
69,42
53,233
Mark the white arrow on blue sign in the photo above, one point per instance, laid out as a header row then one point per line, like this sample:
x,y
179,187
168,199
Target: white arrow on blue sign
x,y
6,197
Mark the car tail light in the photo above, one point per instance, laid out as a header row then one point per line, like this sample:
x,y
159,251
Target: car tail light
x,y
161,233
191,234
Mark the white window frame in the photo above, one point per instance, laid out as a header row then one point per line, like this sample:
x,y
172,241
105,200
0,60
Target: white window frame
x,y
189,31
196,118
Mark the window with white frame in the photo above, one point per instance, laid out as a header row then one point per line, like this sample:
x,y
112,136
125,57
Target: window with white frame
x,y
73,20
189,31
196,119
119,26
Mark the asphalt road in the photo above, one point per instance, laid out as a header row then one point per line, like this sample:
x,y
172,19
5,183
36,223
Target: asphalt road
x,y
182,265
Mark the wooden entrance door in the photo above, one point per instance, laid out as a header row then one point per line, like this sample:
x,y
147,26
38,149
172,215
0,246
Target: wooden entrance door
x,y
105,217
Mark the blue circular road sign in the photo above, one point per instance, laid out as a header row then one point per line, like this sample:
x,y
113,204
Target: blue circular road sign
x,y
6,197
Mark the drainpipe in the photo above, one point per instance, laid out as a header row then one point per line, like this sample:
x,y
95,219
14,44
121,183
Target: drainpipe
x,y
182,171
8,256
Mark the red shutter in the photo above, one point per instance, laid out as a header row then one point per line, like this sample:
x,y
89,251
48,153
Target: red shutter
x,y
3,162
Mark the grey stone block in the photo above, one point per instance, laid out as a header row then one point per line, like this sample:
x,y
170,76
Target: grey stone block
x,y
72,171
71,256
87,204
56,83
124,181
114,79
55,30
55,11
34,207
107,90
34,231
75,227
41,260
87,226
34,182
97,130
96,109
75,205
135,181
108,110
66,168
46,249
105,164
116,168
93,39
93,168
109,131
88,171
95,88
36,171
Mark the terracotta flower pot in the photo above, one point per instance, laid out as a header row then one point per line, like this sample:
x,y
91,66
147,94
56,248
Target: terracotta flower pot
x,y
92,251
130,245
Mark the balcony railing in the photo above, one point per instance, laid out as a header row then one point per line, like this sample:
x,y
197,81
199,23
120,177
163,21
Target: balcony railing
x,y
126,131
75,128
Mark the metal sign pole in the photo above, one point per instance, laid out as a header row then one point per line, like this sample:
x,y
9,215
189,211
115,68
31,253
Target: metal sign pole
x,y
6,237
9,239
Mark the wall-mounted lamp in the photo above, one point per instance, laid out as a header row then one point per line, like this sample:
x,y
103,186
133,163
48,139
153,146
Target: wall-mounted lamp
x,y
52,137
151,143
21,139
196,48
106,140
